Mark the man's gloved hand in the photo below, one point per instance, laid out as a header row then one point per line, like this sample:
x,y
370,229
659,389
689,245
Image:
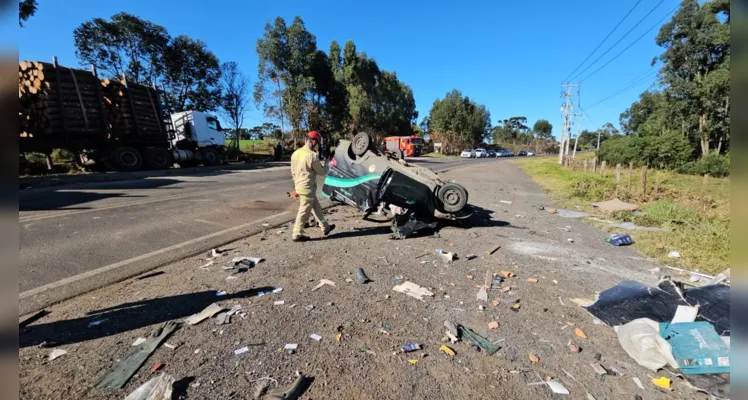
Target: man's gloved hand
x,y
292,194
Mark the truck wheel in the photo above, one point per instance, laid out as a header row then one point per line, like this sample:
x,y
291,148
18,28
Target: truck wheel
x,y
211,157
451,198
126,159
361,143
157,158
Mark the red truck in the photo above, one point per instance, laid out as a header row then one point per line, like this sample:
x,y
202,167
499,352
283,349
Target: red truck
x,y
411,146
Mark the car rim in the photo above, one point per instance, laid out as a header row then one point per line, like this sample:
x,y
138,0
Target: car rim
x,y
451,197
360,144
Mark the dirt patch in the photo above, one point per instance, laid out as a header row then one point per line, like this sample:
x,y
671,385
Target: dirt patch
x,y
365,363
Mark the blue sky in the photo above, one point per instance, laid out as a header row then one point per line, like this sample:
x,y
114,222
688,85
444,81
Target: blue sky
x,y
509,55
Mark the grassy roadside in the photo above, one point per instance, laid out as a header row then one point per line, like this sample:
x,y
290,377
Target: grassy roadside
x,y
437,155
695,211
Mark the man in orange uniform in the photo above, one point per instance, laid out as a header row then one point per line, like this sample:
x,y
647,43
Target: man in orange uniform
x,y
305,166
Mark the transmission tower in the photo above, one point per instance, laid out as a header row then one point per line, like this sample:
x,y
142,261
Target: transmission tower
x,y
567,109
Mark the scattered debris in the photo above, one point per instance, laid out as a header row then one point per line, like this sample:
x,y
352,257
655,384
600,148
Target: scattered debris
x,y
279,302
323,282
216,253
534,359
120,373
413,362
477,340
413,290
223,318
570,240
505,201
361,276
56,353
673,254
583,302
447,350
532,280
294,391
452,332
447,256
221,293
138,341
291,346
470,257
316,337
482,293
241,350
641,339
493,325
614,205
507,274
685,314
208,312
638,382
205,267
516,307
157,367
158,388
495,249
662,382
620,240
574,348
557,387
599,369
469,277
408,347
696,347
171,346
580,333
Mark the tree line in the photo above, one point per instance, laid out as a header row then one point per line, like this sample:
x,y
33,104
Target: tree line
x,y
684,124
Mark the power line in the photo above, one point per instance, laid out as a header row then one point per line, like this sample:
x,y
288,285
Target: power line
x,y
624,89
633,43
619,40
601,43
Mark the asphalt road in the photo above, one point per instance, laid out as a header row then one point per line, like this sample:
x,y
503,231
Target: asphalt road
x,y
68,230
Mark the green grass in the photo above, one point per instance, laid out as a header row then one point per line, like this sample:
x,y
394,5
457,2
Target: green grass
x,y
695,212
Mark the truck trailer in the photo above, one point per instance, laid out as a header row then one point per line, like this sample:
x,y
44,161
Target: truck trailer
x,y
117,123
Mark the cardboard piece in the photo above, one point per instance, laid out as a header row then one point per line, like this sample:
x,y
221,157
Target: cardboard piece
x,y
208,312
412,290
696,347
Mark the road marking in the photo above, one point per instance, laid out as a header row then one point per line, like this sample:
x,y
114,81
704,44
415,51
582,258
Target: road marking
x,y
65,213
93,273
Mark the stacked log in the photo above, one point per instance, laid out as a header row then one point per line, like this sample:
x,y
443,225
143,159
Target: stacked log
x,y
58,100
133,109
66,102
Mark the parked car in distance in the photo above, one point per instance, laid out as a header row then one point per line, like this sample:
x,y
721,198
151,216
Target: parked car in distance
x,y
481,153
505,153
491,153
468,154
530,153
522,153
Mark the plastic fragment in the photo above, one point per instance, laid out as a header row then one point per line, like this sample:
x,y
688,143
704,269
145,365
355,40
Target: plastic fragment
x,y
447,350
662,382
580,333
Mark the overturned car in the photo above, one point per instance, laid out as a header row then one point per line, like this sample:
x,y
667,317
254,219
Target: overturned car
x,y
370,180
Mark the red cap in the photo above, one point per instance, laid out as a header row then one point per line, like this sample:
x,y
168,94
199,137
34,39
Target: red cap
x,y
314,135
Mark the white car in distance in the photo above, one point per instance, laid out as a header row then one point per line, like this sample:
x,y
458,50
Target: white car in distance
x,y
468,154
481,153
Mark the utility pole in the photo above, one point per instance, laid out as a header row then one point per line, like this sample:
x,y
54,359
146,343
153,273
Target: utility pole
x,y
568,111
576,138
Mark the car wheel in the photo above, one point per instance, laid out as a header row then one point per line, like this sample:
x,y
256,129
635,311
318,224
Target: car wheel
x,y
361,143
451,198
126,159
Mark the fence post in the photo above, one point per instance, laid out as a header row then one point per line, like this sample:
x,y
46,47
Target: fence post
x,y
594,165
644,179
618,174
585,165
602,168
631,172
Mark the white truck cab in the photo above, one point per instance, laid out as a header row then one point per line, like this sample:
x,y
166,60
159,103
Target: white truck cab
x,y
198,136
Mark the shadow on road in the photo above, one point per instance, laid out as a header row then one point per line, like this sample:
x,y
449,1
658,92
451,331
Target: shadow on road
x,y
124,317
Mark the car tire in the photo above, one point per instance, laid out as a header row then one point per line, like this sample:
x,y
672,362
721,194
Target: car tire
x,y
451,198
157,158
361,143
211,157
126,159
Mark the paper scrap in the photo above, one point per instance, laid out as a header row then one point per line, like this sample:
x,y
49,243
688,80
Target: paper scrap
x,y
279,302
315,336
241,351
291,346
323,282
685,314
277,290
557,387
56,353
638,382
